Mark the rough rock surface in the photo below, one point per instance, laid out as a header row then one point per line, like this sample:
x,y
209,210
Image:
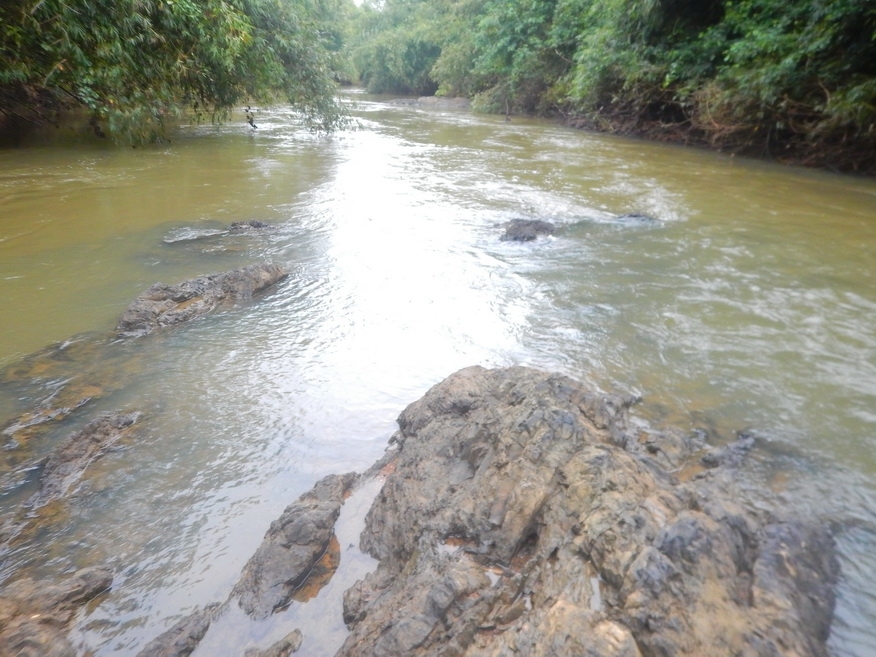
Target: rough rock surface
x,y
69,460
181,639
292,547
524,518
526,230
35,615
165,305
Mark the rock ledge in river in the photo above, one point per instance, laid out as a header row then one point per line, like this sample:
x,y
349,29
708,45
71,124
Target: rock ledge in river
x,y
165,305
523,517
292,547
35,616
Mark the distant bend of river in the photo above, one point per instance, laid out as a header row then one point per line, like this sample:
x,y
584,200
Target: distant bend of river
x,y
747,303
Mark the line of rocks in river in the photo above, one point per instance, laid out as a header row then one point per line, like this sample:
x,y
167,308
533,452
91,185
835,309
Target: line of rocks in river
x,y
35,615
521,515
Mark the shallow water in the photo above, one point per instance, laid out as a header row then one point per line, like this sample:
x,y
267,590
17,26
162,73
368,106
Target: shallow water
x,y
746,304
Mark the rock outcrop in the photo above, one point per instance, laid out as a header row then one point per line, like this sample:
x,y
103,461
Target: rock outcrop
x,y
35,615
164,305
524,517
526,230
292,547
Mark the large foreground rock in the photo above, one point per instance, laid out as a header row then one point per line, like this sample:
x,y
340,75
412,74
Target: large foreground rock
x,y
165,305
35,615
524,518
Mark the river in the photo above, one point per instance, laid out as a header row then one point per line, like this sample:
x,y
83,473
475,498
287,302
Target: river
x,y
747,303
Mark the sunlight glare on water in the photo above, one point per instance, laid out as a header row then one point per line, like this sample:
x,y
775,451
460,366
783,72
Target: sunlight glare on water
x,y
741,298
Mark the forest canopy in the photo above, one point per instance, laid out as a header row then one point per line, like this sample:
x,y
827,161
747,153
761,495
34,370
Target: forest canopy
x,y
794,79
136,64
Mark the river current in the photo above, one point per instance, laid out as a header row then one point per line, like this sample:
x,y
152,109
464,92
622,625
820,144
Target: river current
x,y
744,299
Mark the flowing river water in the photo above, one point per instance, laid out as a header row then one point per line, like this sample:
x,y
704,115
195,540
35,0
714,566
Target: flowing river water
x,y
747,303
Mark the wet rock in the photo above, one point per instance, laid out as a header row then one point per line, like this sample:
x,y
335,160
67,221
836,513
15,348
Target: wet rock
x,y
246,226
164,305
35,615
29,424
59,382
60,471
68,461
283,648
188,234
293,545
729,455
526,230
523,517
182,639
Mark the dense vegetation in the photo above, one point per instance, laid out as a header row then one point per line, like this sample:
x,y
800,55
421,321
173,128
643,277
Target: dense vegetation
x,y
793,79
135,64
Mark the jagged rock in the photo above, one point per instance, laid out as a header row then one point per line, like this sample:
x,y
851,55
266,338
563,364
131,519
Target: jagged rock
x,y
523,517
526,230
68,461
283,648
292,546
182,639
35,615
165,305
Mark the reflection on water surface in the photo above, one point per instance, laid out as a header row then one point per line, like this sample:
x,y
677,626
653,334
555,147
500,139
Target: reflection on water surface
x,y
746,305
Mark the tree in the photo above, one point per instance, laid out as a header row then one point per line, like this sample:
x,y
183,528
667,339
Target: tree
x,y
398,45
788,78
135,64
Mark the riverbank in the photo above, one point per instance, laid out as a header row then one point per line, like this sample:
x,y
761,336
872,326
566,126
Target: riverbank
x,y
838,152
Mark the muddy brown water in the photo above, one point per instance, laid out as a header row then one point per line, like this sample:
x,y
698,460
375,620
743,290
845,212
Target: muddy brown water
x,y
747,302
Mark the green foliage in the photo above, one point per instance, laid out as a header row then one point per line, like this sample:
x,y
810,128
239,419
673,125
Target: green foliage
x,y
135,64
745,74
398,47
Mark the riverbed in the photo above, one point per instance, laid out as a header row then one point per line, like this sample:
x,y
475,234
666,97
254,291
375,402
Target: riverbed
x,y
741,296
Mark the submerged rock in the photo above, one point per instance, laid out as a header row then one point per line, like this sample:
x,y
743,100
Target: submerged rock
x,y
182,639
164,305
35,615
61,470
69,460
283,648
195,234
635,219
292,547
523,517
526,230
